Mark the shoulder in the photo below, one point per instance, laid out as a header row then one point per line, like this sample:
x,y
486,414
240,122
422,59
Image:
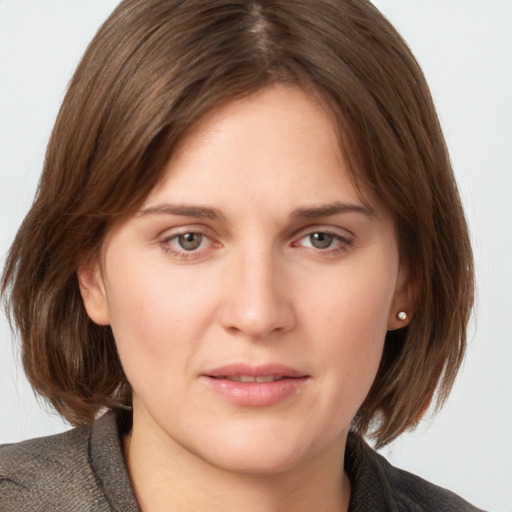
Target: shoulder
x,y
376,483
49,473
414,493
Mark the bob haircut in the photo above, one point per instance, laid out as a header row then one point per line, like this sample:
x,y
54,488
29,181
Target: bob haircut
x,y
154,69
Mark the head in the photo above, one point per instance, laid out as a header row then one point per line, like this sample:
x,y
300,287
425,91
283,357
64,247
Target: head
x,y
153,72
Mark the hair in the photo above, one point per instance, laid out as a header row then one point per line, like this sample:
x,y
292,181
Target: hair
x,y
154,69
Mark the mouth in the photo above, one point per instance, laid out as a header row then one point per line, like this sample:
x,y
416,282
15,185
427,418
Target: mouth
x,y
246,373
255,386
251,378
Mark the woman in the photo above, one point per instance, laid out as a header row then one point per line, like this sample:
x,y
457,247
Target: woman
x,y
248,247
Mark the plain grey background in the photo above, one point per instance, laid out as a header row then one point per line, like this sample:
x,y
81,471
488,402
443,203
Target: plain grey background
x,y
465,49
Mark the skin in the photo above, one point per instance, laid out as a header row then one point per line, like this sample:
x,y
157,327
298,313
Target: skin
x,y
258,289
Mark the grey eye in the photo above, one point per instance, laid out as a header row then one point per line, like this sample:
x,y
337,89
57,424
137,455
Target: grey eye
x,y
321,240
190,241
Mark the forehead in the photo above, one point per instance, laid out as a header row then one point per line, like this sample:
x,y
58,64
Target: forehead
x,y
281,142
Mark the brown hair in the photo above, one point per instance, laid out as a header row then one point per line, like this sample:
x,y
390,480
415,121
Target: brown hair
x,y
153,69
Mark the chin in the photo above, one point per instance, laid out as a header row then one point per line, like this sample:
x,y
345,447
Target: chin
x,y
257,452
257,461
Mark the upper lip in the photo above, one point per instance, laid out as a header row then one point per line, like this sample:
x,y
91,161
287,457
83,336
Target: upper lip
x,y
262,370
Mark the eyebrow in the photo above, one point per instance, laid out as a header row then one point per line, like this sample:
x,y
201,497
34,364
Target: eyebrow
x,y
205,212
326,210
200,212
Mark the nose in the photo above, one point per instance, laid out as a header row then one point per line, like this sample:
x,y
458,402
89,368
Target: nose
x,y
256,303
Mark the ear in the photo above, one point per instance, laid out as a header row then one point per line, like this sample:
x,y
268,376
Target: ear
x,y
92,288
404,300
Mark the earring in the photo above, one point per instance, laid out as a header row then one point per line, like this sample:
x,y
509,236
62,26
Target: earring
x,y
402,315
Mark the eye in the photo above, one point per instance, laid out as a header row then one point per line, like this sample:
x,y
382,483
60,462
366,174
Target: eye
x,y
189,241
188,244
323,241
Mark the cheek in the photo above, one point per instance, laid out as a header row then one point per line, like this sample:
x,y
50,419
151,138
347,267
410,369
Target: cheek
x,y
352,303
349,319
157,317
151,296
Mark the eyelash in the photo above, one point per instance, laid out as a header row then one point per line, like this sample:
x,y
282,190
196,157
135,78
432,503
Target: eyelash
x,y
166,246
343,243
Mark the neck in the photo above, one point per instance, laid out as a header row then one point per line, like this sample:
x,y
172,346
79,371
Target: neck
x,y
164,473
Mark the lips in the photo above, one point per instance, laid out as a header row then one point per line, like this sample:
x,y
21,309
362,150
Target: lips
x,y
277,371
255,386
251,378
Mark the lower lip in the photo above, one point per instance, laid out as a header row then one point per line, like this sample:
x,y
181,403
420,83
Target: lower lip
x,y
256,394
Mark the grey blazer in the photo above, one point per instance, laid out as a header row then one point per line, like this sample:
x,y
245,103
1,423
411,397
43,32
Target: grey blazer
x,y
83,470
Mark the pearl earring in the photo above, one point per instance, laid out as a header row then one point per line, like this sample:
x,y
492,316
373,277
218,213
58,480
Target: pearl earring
x,y
402,315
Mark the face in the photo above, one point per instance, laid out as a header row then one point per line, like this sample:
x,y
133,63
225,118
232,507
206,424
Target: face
x,y
250,296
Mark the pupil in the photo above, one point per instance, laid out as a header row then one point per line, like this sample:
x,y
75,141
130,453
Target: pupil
x,y
320,240
190,241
